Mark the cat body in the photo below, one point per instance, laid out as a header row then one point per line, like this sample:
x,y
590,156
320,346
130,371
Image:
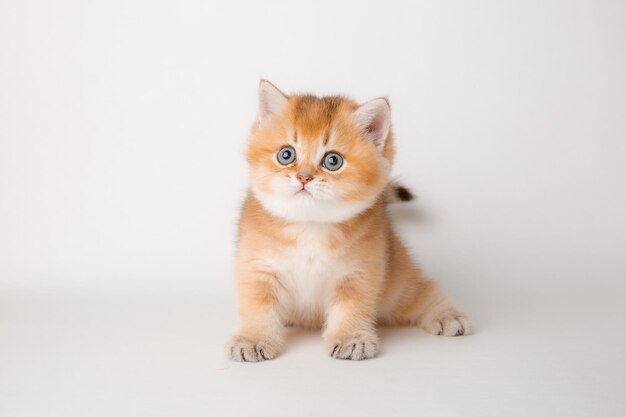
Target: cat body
x,y
315,245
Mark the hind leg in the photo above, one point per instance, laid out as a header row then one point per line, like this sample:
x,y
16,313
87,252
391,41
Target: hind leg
x,y
433,312
443,319
412,299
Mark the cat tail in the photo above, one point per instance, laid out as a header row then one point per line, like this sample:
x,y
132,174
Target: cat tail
x,y
396,192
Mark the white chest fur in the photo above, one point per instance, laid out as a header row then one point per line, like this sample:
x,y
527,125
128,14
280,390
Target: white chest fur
x,y
309,271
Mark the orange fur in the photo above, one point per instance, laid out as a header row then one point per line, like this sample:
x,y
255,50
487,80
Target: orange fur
x,y
344,276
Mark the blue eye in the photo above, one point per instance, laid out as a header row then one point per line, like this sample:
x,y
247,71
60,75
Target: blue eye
x,y
286,155
332,161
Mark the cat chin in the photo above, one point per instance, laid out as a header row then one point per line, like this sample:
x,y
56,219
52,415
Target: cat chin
x,y
302,208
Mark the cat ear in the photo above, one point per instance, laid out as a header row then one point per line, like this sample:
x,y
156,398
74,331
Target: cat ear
x,y
271,101
374,120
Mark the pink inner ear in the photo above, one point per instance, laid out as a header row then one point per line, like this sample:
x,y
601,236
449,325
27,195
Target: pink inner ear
x,y
376,124
373,120
265,107
375,128
271,101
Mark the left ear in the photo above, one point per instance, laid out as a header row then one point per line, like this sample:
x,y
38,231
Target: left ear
x,y
374,120
272,101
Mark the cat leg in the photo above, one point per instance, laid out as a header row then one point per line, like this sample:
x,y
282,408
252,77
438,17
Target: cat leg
x,y
261,335
350,331
434,313
411,298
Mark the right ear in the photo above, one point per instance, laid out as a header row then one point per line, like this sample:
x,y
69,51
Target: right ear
x,y
271,101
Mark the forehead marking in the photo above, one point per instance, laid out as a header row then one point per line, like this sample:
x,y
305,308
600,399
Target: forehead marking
x,y
327,137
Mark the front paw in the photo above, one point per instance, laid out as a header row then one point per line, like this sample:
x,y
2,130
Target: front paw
x,y
447,323
247,349
356,347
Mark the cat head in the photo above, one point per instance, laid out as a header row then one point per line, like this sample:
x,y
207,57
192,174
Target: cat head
x,y
318,159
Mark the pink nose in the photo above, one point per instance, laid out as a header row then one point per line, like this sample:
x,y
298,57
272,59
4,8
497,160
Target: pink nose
x,y
304,178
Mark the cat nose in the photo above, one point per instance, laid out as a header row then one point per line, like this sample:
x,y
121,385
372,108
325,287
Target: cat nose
x,y
303,177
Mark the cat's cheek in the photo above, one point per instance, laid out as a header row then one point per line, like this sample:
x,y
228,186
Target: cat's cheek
x,y
352,191
260,186
262,179
363,187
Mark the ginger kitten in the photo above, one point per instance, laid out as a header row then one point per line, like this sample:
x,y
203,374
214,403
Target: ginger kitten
x,y
316,248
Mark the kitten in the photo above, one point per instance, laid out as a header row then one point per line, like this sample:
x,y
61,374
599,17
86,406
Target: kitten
x,y
316,248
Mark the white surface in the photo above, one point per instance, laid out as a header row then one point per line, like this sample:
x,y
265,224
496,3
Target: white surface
x,y
122,125
554,353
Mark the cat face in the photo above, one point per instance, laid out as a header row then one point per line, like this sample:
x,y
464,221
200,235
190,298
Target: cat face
x,y
318,159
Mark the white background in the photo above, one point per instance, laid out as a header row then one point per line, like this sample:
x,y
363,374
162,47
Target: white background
x,y
122,130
